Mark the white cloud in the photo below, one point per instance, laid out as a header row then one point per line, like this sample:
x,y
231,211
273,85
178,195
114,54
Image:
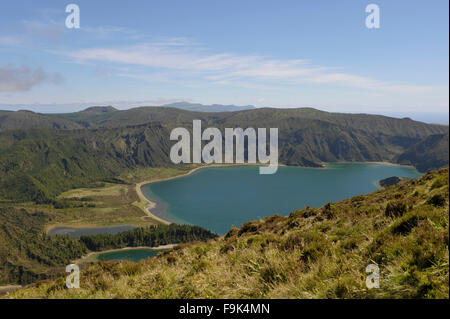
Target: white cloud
x,y
181,55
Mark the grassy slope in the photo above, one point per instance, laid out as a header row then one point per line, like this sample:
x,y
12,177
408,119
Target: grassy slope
x,y
429,152
312,253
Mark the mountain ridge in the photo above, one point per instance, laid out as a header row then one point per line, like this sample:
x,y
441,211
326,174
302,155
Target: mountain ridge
x,y
198,107
85,147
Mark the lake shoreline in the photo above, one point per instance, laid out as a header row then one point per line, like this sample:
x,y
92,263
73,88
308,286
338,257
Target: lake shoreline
x,y
92,253
325,165
152,204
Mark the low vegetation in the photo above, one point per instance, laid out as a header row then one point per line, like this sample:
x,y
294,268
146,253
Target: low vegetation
x,y
312,253
28,254
102,204
149,236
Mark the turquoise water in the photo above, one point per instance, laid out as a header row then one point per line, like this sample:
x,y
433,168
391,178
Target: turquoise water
x,y
129,254
218,198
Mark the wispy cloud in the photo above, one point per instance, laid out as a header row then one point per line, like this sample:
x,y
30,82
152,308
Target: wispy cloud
x,y
34,32
179,54
103,32
23,78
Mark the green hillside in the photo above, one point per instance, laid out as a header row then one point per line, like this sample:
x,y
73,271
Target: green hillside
x,y
28,254
37,165
262,117
312,253
430,152
102,143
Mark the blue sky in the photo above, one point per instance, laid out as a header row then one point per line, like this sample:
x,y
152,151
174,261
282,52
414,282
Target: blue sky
x,y
266,53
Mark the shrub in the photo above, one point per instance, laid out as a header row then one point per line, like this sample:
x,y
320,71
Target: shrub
x,y
327,211
171,260
437,200
349,244
130,268
103,283
199,265
248,227
226,248
272,275
311,254
395,209
405,226
293,241
439,182
59,284
232,232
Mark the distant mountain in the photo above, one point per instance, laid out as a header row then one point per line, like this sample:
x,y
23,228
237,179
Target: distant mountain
x,y
26,120
99,109
209,108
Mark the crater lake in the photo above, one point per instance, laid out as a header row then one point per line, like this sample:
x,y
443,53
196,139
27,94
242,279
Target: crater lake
x,y
218,198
